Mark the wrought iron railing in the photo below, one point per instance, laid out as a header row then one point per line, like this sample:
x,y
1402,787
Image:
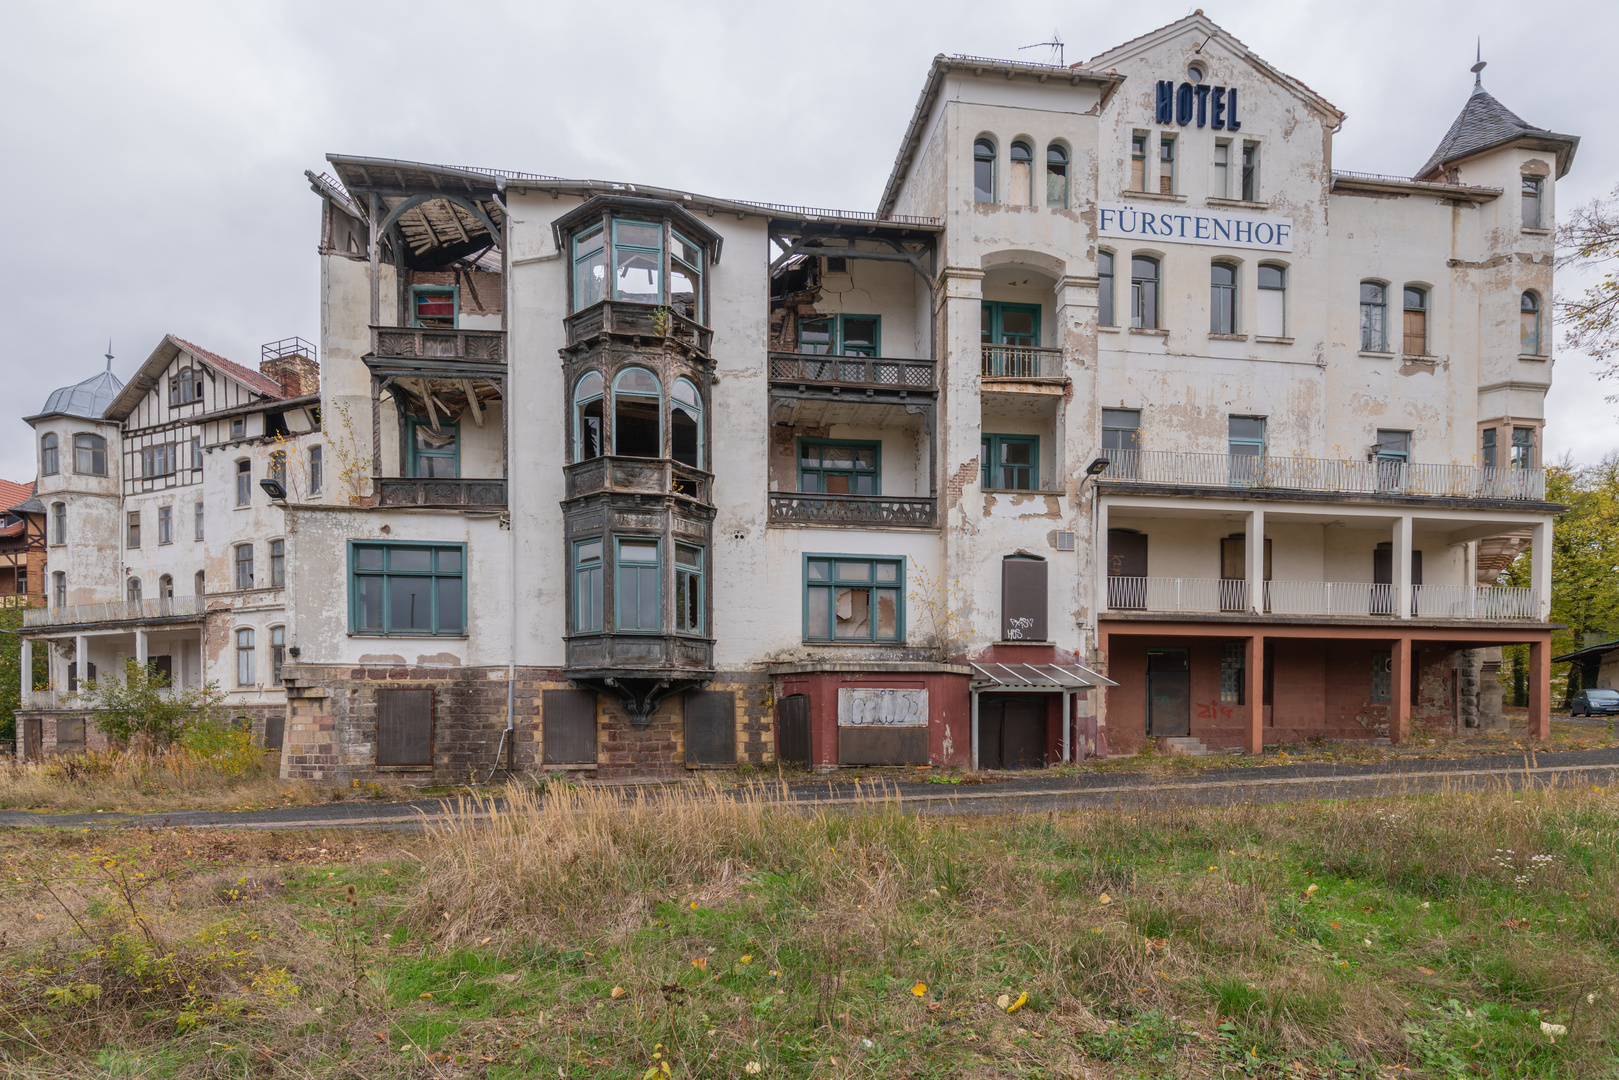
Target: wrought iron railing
x,y
806,508
158,607
1379,476
437,343
879,372
1191,595
1325,598
441,493
1473,602
634,319
1024,362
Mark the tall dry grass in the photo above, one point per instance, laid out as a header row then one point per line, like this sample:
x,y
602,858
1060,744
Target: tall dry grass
x,y
130,780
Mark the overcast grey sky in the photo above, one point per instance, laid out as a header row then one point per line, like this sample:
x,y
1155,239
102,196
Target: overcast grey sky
x,y
154,152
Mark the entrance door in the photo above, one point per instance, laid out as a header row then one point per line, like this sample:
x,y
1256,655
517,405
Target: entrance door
x,y
1126,570
1383,578
1169,692
1011,732
163,669
793,728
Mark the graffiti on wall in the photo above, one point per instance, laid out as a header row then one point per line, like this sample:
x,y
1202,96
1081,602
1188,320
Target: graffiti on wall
x,y
876,707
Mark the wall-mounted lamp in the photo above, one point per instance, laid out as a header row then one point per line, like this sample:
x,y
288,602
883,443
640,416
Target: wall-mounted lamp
x,y
274,489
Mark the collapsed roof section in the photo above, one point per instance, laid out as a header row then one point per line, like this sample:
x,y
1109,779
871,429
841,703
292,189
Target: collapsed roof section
x,y
438,214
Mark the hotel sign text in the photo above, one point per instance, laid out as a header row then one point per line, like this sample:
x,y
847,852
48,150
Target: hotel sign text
x,y
1218,228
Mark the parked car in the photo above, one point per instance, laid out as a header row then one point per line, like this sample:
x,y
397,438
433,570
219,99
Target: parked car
x,y
1594,703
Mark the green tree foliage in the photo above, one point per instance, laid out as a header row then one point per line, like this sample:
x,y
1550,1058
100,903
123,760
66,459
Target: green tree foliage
x,y
143,710
1589,239
11,669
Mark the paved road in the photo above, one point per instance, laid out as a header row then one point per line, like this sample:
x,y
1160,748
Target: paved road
x,y
1037,792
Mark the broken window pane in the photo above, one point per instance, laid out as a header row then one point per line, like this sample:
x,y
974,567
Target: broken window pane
x,y
815,336
589,268
859,335
887,613
854,613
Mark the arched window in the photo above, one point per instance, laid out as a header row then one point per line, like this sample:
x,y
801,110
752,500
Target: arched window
x,y
47,455
244,657
1529,325
90,455
1144,292
587,417
58,523
1222,298
1416,321
244,482
1022,191
637,403
165,587
185,386
1374,298
132,590
1104,288
1056,177
1272,300
686,424
984,171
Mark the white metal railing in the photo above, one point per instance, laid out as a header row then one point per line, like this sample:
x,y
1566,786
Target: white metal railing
x,y
1333,598
158,607
1375,477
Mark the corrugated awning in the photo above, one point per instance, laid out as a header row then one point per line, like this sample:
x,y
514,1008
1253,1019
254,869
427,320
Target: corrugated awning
x,y
1037,677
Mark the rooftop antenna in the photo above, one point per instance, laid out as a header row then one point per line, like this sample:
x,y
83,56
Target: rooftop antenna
x,y
1055,45
1478,79
109,354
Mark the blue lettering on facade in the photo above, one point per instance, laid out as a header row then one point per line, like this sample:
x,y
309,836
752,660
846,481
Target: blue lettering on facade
x,y
1231,121
1264,233
1203,105
1166,102
1207,227
1217,119
1183,105
1105,213
1202,227
1245,232
1283,232
1222,229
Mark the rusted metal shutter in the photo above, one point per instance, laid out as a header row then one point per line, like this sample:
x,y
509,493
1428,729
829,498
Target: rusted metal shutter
x,y
569,727
710,727
1023,599
793,728
275,729
404,727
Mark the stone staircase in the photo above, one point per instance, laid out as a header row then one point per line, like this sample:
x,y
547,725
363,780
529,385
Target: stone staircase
x,y
1182,746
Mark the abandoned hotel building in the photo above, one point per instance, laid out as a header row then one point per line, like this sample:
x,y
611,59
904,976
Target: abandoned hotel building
x,y
1126,414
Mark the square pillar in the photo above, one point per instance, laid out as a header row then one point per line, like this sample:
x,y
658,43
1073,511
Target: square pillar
x,y
1099,556
1254,693
1399,689
81,657
25,659
141,649
1540,569
1540,684
1254,551
1402,567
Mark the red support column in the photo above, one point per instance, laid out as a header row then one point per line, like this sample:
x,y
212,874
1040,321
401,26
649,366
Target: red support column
x,y
1540,689
1400,690
1254,693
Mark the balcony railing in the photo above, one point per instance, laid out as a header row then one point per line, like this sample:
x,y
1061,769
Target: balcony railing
x,y
1208,596
442,493
435,343
158,607
632,319
807,508
854,372
1376,477
1025,363
644,476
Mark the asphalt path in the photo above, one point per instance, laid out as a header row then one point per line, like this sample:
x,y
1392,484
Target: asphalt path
x,y
1037,792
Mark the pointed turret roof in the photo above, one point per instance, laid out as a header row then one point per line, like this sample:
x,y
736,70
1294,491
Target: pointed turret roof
x,y
1484,124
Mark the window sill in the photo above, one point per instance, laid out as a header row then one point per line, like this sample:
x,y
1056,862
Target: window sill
x,y
1275,340
1537,358
1240,204
1154,196
1228,337
1108,329
1536,232
1150,331
846,642
1377,355
406,768
401,637
1018,491
1411,358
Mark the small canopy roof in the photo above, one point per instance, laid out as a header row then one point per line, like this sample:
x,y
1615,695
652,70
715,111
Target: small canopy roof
x,y
1037,677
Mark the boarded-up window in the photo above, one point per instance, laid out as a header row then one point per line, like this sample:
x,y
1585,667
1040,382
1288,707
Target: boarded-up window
x,y
1023,598
275,728
710,727
404,727
70,731
569,727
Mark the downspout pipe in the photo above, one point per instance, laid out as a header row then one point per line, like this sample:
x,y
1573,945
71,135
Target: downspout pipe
x,y
508,737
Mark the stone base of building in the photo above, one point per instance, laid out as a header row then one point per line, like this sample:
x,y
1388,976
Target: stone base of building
x,y
435,725
46,733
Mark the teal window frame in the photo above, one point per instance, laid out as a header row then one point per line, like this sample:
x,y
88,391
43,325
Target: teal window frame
x,y
1244,440
992,323
414,454
837,343
589,578
620,247
693,269
688,589
1222,297
991,446
1121,429
984,168
1487,448
1056,177
1105,262
418,291
386,572
1389,445
1523,448
624,572
589,249
821,587
1374,316
820,470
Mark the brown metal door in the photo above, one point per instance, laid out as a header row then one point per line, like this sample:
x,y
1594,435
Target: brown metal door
x,y
1169,692
1023,599
793,728
569,727
1023,733
33,738
275,731
1127,559
991,721
404,727
710,727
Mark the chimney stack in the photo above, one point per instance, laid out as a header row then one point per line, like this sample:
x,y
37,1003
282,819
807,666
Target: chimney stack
x,y
290,363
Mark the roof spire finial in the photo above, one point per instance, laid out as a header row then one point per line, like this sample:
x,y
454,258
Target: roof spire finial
x,y
109,354
1478,79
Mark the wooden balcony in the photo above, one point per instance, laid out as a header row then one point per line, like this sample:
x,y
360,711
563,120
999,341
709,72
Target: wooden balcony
x,y
872,511
659,655
157,608
862,375
442,493
433,343
649,322
641,476
1020,363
